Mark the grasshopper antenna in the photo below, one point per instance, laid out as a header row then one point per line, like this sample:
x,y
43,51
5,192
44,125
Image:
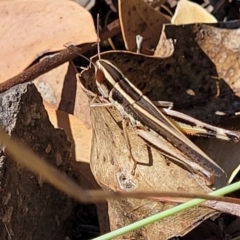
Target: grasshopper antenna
x,y
76,49
98,41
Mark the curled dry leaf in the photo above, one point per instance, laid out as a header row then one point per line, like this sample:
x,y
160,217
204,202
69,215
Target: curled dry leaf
x,y
51,84
138,18
190,12
30,29
221,45
165,47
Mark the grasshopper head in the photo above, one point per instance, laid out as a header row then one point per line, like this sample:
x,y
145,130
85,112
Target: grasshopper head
x,y
101,79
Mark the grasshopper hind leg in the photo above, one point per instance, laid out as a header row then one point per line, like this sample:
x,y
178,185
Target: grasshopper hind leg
x,y
124,126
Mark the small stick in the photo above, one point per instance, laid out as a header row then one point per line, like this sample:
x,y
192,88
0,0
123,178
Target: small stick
x,y
98,42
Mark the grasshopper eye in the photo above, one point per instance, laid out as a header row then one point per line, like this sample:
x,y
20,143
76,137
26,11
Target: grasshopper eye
x,y
99,75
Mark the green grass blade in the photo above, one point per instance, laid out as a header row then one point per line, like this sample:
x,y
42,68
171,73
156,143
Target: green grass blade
x,y
131,227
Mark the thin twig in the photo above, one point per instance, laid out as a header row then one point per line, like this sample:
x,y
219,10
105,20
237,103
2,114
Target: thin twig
x,y
35,164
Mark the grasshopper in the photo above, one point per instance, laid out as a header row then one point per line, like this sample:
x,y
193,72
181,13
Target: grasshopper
x,y
140,111
137,108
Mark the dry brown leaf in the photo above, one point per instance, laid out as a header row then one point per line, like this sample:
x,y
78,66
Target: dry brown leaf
x,y
190,12
138,18
31,28
111,166
222,47
165,47
62,90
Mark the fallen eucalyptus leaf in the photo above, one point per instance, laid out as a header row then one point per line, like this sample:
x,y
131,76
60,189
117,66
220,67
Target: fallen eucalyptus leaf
x,y
111,167
138,18
31,29
190,12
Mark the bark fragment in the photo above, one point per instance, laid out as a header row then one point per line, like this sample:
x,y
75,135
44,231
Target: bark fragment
x,y
31,208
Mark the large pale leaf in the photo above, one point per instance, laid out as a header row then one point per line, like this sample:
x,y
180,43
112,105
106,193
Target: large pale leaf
x,y
30,28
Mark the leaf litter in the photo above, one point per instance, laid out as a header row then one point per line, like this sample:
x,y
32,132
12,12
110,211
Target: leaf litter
x,y
203,62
